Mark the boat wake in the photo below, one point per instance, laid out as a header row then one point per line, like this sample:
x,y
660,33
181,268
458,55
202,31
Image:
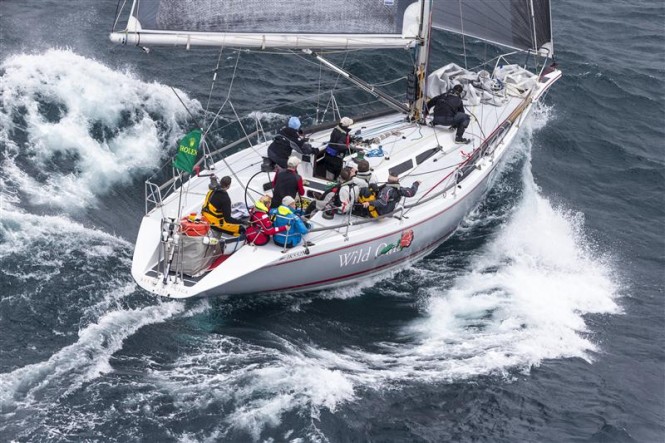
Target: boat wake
x,y
508,291
519,298
70,130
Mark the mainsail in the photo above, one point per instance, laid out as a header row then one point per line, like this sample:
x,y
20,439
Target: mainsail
x,y
284,16
342,24
346,24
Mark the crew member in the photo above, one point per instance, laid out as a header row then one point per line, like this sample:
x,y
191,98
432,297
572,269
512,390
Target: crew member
x,y
260,226
290,137
217,207
338,147
391,194
285,216
449,111
365,173
287,182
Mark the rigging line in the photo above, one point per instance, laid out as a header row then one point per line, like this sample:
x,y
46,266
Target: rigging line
x,y
482,133
485,63
340,75
310,97
432,171
212,85
461,19
228,95
444,180
318,96
213,131
186,109
243,129
117,13
306,60
259,129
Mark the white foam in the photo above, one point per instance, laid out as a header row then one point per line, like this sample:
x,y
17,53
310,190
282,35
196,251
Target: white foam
x,y
269,117
20,230
261,383
84,93
522,299
82,361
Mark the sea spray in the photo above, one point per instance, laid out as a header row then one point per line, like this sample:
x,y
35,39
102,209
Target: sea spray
x,y
73,128
521,298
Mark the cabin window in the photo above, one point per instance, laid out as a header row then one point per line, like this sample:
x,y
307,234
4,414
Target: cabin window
x,y
318,186
402,167
425,155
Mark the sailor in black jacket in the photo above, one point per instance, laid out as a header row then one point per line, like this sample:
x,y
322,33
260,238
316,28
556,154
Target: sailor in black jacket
x,y
449,111
338,147
289,138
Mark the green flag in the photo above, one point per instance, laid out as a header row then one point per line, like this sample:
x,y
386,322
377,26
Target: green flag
x,y
188,149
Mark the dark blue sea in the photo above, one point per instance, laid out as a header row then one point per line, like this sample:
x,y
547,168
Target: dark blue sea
x,y
541,320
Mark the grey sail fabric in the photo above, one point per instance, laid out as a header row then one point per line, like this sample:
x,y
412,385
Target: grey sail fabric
x,y
269,16
505,22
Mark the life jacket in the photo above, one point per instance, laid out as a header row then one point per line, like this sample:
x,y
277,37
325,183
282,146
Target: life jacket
x,y
335,147
216,218
292,236
368,194
211,213
260,227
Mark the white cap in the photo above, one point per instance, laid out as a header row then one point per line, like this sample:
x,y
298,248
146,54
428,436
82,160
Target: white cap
x,y
346,121
293,162
288,200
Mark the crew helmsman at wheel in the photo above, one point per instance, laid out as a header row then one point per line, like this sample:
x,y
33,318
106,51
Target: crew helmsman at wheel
x,y
217,208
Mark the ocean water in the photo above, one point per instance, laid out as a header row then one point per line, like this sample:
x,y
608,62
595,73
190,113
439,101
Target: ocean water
x,y
542,319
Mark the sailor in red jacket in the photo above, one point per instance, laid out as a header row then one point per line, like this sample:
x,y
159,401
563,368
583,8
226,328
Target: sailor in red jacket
x,y
260,227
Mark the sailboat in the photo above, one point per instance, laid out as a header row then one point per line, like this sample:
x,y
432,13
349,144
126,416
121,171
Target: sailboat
x,y
177,255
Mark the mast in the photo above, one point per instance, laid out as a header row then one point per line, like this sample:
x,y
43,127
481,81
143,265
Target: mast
x,y
420,69
533,27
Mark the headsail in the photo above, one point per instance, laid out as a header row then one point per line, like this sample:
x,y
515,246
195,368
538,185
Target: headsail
x,y
519,24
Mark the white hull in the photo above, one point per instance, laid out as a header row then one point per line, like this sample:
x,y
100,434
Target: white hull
x,y
349,254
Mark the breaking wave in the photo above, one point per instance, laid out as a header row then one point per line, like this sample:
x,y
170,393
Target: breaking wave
x,y
73,128
519,299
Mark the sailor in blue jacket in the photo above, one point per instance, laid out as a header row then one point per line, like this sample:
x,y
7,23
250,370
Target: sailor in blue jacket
x,y
285,216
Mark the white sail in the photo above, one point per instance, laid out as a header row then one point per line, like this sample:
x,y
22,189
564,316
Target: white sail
x,y
345,24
